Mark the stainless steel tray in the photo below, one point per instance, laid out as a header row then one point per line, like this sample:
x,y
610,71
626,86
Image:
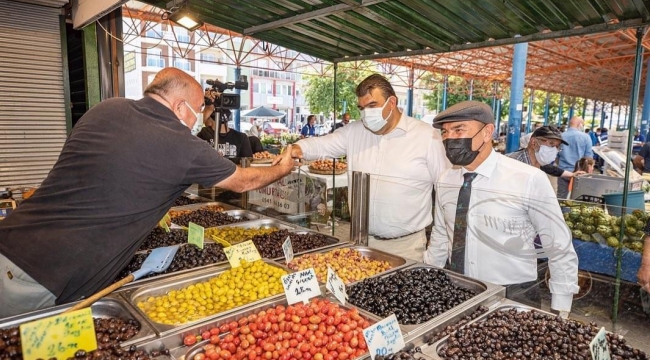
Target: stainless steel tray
x,y
333,242
481,288
243,214
109,306
257,223
174,341
503,304
206,204
132,296
396,262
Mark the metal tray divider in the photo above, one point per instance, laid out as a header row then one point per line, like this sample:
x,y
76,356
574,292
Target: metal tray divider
x,y
163,329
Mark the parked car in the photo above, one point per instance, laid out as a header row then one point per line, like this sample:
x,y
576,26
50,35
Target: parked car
x,y
274,128
244,127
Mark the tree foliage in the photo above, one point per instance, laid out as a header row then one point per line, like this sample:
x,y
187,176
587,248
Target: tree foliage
x,y
319,93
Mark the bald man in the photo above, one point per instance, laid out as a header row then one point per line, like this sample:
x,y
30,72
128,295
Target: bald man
x,y
107,191
579,146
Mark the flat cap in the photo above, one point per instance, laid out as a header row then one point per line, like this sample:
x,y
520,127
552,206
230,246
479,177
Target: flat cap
x,y
549,132
463,111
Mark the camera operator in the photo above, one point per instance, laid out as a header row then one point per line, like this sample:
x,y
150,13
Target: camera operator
x,y
232,143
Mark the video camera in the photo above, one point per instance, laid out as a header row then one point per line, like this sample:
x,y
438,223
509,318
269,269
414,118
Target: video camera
x,y
227,101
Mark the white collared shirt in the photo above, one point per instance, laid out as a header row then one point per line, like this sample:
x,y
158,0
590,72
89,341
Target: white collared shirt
x,y
510,203
404,165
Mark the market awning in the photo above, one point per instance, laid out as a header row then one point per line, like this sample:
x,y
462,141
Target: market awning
x,y
262,112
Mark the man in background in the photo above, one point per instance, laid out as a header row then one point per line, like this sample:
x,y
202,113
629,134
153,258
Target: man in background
x,y
309,130
579,147
345,119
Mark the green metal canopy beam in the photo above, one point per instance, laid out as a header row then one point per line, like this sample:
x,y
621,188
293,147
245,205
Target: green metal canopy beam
x,y
308,16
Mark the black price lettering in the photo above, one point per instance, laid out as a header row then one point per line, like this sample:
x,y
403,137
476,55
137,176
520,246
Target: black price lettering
x,y
302,290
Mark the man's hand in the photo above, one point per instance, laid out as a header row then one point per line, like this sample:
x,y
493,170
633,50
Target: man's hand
x,y
293,151
285,160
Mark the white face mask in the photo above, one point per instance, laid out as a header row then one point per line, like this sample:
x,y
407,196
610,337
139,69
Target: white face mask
x,y
546,154
198,124
373,119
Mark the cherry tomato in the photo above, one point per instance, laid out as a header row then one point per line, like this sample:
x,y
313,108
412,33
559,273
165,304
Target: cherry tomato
x,y
189,340
199,356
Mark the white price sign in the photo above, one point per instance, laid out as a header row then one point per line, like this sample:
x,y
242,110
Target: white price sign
x,y
335,285
301,286
599,346
384,337
287,248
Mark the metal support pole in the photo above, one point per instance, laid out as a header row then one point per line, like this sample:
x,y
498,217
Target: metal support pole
x,y
336,67
571,111
611,115
560,114
530,110
445,85
618,117
584,109
245,162
627,108
409,93
593,120
645,114
602,117
237,119
546,108
498,120
359,204
516,96
494,98
634,99
471,89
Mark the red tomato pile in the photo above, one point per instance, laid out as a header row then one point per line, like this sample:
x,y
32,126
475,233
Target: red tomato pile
x,y
320,330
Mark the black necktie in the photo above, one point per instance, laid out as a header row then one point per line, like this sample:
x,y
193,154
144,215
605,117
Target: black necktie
x,y
460,225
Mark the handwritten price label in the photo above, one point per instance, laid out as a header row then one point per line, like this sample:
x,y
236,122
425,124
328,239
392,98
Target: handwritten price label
x,y
58,336
287,248
242,251
335,285
196,234
163,222
301,286
384,337
599,346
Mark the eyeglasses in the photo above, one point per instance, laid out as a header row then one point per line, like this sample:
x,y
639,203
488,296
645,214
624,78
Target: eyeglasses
x,y
548,142
192,110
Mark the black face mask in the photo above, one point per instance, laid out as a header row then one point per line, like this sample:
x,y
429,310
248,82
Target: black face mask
x,y
459,151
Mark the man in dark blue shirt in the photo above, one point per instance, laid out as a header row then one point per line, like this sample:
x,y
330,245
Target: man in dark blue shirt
x,y
309,129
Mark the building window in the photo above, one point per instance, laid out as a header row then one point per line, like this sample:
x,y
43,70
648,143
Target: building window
x,y
154,32
182,64
182,35
154,58
208,57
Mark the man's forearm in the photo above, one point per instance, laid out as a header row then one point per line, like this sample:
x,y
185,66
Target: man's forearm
x,y
255,178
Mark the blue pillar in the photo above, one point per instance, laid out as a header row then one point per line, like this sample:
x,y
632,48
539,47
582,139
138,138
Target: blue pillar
x,y
546,108
409,93
593,120
237,118
530,110
494,98
516,96
602,117
645,113
445,84
471,89
584,109
571,110
560,115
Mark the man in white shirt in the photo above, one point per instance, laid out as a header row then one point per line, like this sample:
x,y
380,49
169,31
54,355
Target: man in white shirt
x,y
489,209
404,157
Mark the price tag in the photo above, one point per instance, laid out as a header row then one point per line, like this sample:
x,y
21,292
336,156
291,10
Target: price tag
x,y
384,337
288,249
335,285
243,251
301,286
195,234
163,222
58,336
599,347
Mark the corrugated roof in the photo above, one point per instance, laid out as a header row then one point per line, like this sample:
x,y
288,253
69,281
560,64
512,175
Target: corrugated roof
x,y
336,29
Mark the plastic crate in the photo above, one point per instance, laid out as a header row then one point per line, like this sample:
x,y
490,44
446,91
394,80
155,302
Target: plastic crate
x,y
597,185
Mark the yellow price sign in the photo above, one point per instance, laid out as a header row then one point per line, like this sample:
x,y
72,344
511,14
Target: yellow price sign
x,y
58,336
243,251
163,222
